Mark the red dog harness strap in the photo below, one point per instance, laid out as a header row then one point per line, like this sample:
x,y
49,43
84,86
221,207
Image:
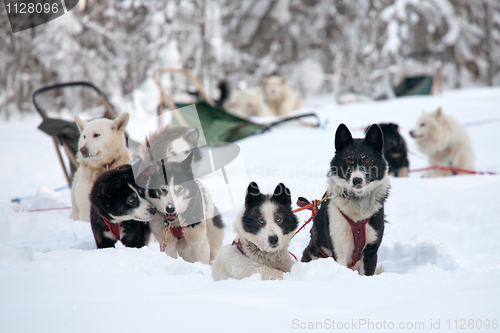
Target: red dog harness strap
x,y
177,232
113,227
239,247
358,233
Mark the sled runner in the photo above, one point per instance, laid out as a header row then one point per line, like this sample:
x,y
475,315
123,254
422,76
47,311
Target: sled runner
x,y
64,133
218,125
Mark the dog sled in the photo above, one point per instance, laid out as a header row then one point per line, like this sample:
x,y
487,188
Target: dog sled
x,y
65,134
218,125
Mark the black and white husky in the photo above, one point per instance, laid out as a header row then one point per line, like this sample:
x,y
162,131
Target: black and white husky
x,y
193,226
350,225
119,209
264,228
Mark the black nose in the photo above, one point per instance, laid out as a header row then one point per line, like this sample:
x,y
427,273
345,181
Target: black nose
x,y
357,181
273,240
84,151
170,209
152,210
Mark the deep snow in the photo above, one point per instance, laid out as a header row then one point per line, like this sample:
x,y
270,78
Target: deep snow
x,y
440,251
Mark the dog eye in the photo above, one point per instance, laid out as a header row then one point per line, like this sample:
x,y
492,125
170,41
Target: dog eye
x,y
349,161
366,161
278,219
422,125
163,188
84,136
97,135
132,198
261,221
178,189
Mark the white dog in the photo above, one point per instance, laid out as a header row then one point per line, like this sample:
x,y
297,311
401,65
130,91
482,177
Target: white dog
x,y
281,99
101,147
264,228
444,141
247,103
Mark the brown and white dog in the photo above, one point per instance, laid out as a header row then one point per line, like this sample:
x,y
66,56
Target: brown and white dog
x,y
101,147
281,99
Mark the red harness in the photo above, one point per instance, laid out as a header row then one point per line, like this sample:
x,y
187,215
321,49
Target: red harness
x,y
177,232
359,235
115,228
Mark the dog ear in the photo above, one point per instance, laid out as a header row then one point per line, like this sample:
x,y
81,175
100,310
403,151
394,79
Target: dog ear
x,y
188,161
80,123
111,187
439,112
194,136
121,122
394,127
375,138
343,137
282,195
253,196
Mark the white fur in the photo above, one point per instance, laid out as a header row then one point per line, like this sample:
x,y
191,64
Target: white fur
x,y
108,147
247,103
281,99
444,141
260,257
340,230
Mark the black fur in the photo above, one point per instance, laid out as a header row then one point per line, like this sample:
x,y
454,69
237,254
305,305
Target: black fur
x,y
182,175
110,196
395,151
252,218
365,154
351,154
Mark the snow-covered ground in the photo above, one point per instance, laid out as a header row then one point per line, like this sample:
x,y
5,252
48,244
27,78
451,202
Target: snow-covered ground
x,y
440,250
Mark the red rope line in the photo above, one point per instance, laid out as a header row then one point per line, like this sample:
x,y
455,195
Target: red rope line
x,y
41,209
472,172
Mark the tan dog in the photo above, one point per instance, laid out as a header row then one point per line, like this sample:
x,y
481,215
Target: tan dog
x,y
444,141
281,99
247,103
101,147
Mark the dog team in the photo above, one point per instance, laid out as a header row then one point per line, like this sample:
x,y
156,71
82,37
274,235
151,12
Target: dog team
x,y
160,194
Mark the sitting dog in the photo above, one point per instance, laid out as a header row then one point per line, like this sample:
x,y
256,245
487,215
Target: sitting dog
x,y
101,147
193,226
395,151
281,99
350,224
445,142
119,209
264,228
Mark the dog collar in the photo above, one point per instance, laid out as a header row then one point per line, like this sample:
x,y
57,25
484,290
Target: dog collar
x,y
109,164
359,235
239,246
114,228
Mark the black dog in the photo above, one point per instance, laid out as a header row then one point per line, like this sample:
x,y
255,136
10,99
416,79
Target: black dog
x,y
395,151
119,209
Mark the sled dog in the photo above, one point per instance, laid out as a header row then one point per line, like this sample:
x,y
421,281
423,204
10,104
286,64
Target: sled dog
x,y
264,228
281,99
395,151
101,147
444,141
119,209
350,224
193,226
247,103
